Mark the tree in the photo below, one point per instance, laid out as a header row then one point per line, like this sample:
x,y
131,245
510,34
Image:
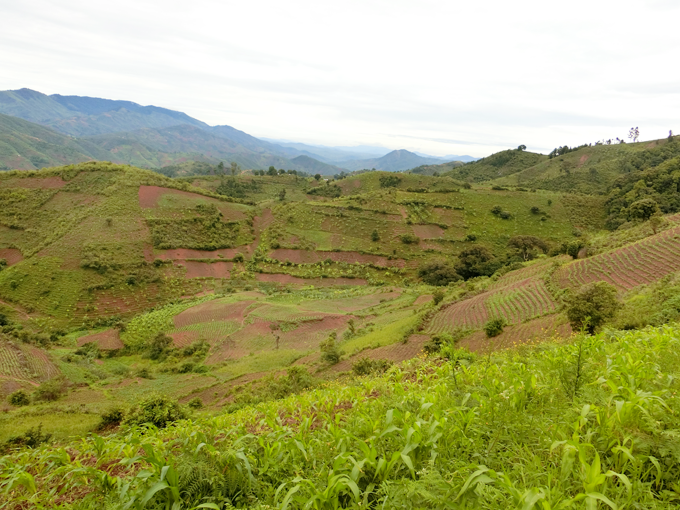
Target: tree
x,y
438,273
522,148
591,306
438,296
634,134
159,346
317,177
234,168
271,171
656,222
526,246
375,236
329,350
282,195
220,168
643,209
476,261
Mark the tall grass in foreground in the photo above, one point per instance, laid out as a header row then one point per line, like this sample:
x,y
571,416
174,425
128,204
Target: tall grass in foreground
x,y
590,424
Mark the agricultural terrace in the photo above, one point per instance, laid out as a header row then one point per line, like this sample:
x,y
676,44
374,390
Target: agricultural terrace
x,y
636,264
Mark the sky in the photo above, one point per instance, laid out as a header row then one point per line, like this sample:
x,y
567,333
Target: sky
x,y
439,77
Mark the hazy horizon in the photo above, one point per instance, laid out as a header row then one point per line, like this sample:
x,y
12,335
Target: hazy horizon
x,y
438,77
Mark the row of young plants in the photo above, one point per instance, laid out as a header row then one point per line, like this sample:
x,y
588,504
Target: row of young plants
x,y
589,424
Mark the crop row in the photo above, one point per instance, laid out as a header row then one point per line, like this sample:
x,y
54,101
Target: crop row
x,y
516,303
641,263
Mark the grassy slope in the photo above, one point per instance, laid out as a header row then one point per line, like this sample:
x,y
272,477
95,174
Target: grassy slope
x,y
511,430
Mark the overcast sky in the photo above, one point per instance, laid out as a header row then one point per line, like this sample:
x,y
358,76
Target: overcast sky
x,y
442,77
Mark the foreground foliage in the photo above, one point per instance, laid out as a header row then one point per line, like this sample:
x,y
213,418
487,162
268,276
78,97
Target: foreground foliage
x,y
590,424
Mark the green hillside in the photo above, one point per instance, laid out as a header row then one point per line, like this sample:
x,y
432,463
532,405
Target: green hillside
x,y
377,340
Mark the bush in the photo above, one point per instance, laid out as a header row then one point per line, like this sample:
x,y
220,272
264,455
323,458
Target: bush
x,y
19,398
494,327
409,239
195,403
389,181
329,350
591,306
438,273
159,410
476,261
111,418
437,342
159,346
368,366
438,296
375,236
49,391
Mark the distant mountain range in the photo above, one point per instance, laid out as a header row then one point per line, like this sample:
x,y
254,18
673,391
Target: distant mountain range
x,y
87,128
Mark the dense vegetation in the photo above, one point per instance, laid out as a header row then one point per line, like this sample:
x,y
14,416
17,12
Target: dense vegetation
x,y
586,424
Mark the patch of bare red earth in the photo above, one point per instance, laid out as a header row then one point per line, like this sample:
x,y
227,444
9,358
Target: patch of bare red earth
x,y
108,340
212,311
530,332
286,279
54,182
639,263
187,253
11,255
350,257
196,269
421,300
395,352
428,231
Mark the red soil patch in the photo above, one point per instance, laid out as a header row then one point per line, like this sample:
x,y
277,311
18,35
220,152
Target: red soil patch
x,y
395,352
350,257
212,311
108,340
11,255
186,253
402,211
309,334
321,282
583,160
428,231
148,252
529,332
149,196
35,182
206,269
184,338
240,343
421,300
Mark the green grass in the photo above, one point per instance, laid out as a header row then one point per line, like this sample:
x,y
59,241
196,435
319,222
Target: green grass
x,y
63,426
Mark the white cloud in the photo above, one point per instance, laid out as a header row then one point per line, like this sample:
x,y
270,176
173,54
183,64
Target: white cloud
x,y
437,76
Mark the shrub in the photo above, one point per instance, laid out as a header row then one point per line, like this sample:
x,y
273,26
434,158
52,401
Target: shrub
x,y
438,296
409,239
368,366
159,410
49,391
591,306
329,350
389,181
375,236
494,327
111,418
195,403
159,346
476,261
238,257
438,273
437,342
470,238
19,398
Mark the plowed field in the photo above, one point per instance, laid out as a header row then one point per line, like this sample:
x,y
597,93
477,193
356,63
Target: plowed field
x,y
106,340
350,257
639,263
11,255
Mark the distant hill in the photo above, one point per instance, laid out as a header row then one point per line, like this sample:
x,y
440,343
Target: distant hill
x,y
84,116
497,165
395,161
313,166
27,146
440,169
